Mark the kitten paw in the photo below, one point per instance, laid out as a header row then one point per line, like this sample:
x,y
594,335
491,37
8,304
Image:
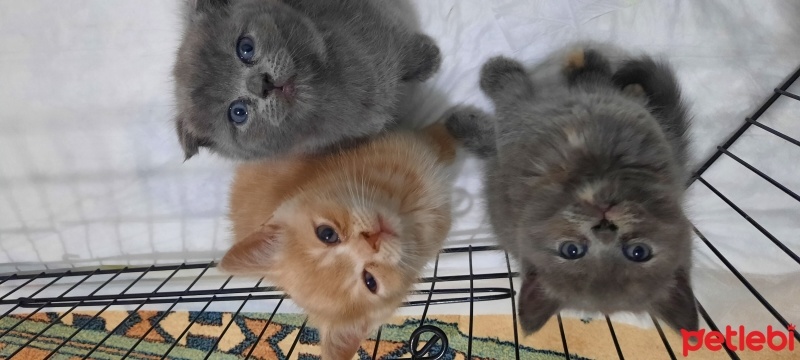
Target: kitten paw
x,y
423,59
647,78
585,63
635,73
473,128
501,75
634,90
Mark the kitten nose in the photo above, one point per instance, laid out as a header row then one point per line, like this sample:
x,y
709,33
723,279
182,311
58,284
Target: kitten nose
x,y
382,228
599,209
373,238
260,85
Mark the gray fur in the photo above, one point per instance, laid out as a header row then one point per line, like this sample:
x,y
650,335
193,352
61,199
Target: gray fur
x,y
474,129
348,58
558,157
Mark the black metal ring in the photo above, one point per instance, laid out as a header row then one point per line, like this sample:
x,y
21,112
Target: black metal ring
x,y
437,336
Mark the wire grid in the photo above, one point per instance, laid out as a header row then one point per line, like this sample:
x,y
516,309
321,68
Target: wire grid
x,y
69,290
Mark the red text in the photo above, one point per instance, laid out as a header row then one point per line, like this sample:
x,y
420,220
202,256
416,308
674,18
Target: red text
x,y
775,340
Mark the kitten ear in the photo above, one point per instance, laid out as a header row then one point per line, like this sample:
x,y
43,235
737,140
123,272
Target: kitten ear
x,y
505,80
679,309
342,342
189,143
535,307
208,5
253,255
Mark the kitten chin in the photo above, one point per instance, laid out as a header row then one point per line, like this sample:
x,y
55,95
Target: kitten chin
x,y
346,234
585,182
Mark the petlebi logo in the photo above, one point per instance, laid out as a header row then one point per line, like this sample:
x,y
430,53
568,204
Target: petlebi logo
x,y
738,340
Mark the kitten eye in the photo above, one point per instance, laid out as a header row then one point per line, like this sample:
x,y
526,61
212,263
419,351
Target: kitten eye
x,y
369,280
237,112
245,49
571,250
638,252
327,235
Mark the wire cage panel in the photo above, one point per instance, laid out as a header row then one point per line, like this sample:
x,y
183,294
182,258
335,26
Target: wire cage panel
x,y
730,292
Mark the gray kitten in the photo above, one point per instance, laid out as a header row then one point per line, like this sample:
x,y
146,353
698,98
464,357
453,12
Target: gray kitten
x,y
584,186
265,78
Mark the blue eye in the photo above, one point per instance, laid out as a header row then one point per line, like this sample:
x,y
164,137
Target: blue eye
x,y
327,235
237,112
638,252
369,280
245,49
571,250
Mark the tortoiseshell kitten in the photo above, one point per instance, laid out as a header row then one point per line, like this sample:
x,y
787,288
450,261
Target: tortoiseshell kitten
x,y
585,184
346,234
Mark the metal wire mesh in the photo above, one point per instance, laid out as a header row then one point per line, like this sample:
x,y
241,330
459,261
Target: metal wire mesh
x,y
138,287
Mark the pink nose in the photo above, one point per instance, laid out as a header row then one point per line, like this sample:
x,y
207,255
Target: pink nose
x,y
599,210
373,237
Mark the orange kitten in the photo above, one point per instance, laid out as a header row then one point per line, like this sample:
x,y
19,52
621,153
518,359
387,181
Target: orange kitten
x,y
347,234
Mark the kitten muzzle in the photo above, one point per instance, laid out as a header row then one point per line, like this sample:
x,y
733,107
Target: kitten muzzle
x,y
605,225
605,231
263,86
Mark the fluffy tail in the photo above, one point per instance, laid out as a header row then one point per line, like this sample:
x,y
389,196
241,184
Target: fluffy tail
x,y
474,129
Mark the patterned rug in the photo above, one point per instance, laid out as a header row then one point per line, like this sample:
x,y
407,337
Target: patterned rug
x,y
152,334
